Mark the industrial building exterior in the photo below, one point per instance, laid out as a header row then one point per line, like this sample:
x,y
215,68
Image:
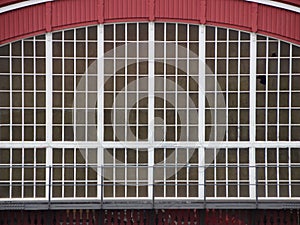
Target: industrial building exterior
x,y
149,112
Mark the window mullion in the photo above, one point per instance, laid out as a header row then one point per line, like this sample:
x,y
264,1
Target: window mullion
x,y
201,113
100,105
151,136
48,113
252,116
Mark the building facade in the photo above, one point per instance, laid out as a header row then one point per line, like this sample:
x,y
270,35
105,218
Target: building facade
x,y
149,106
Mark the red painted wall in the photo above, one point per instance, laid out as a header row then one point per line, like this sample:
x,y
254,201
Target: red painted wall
x,y
61,14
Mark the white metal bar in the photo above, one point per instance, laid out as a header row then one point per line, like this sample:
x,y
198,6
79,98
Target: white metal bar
x,y
278,92
226,118
252,115
10,172
126,93
22,174
151,105
290,94
75,135
290,120
216,87
290,171
23,93
165,85
10,94
239,88
48,111
267,90
63,86
34,92
86,84
278,118
201,113
266,172
122,144
100,105
227,87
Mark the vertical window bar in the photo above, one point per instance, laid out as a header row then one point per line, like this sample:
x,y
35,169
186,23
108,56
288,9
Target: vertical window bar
x,y
34,92
278,95
115,78
11,119
23,171
48,113
34,172
151,106
63,86
238,172
188,125
176,87
239,88
227,128
100,105
266,172
114,173
227,87
86,86
290,172
74,167
277,169
10,92
86,172
252,115
277,120
267,90
215,173
74,109
216,86
10,172
290,119
226,172
201,112
290,93
126,95
23,94
165,83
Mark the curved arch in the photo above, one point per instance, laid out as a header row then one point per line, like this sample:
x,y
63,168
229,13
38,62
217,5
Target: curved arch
x,y
238,14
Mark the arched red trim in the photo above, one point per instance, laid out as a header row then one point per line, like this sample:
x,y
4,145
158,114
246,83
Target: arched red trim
x,y
237,14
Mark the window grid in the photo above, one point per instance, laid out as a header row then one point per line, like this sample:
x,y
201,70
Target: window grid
x,y
176,173
278,172
176,83
227,173
23,172
278,114
125,173
126,83
227,85
288,61
23,91
74,173
75,85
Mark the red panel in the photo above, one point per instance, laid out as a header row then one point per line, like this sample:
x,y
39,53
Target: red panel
x,y
22,22
291,2
178,9
235,12
8,2
279,23
66,12
129,9
62,14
